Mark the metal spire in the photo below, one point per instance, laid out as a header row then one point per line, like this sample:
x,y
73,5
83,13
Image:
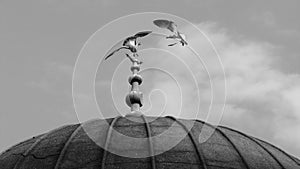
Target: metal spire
x,y
134,98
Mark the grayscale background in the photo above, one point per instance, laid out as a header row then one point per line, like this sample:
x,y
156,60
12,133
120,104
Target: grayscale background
x,y
258,43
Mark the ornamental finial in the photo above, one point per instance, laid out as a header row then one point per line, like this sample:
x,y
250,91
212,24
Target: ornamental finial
x,y
135,96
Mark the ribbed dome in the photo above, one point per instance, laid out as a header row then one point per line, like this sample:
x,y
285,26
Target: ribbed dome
x,y
69,147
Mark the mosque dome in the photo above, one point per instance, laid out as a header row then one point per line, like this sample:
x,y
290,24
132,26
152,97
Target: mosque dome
x,y
70,147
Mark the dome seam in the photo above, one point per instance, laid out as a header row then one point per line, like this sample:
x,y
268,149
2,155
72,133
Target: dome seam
x,y
197,148
229,140
64,149
148,131
260,145
283,152
21,160
107,141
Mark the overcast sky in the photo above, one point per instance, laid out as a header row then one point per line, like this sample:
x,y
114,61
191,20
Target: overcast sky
x,y
257,42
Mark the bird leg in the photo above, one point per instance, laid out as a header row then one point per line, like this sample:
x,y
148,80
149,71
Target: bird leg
x,y
171,37
182,43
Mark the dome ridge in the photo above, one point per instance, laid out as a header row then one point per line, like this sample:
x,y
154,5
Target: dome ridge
x,y
70,147
63,151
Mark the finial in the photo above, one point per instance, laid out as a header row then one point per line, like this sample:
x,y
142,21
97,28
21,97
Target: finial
x,y
134,98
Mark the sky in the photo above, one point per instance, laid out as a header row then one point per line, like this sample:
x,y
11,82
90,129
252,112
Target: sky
x,y
258,43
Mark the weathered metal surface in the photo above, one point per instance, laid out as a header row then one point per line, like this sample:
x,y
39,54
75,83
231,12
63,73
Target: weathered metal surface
x,y
69,147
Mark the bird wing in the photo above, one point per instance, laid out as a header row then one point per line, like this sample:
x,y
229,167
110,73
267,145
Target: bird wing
x,y
142,34
113,52
172,27
162,23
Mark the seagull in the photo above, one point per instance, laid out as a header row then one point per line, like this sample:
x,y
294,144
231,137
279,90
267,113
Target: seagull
x,y
131,43
170,25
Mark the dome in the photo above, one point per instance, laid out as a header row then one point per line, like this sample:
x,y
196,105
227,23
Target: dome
x,y
69,147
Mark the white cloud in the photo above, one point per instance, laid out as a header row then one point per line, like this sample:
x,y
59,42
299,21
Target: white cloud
x,y
261,100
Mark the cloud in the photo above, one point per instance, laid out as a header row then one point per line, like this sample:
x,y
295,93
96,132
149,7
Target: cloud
x,y
261,100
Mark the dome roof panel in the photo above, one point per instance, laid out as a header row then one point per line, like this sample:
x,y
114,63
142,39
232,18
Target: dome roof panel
x,y
284,159
71,147
217,147
254,154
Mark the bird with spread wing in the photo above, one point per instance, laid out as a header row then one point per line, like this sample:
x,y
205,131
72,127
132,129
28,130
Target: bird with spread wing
x,y
170,25
131,43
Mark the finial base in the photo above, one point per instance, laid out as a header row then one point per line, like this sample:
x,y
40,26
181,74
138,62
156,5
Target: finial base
x,y
134,114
